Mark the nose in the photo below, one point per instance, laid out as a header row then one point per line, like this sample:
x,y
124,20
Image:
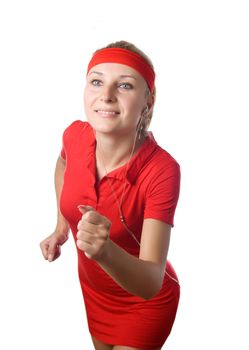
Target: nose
x,y
108,94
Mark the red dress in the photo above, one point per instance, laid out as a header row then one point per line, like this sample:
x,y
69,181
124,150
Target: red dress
x,y
153,180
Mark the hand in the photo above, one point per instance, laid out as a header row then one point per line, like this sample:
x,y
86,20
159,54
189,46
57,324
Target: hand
x,y
93,233
51,246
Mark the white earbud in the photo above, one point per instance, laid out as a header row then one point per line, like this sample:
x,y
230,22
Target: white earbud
x,y
146,109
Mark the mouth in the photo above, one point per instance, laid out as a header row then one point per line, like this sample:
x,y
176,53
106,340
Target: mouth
x,y
106,113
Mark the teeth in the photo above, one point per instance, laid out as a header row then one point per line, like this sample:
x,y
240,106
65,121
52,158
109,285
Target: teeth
x,y
106,112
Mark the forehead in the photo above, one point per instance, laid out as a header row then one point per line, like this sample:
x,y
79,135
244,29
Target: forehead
x,y
115,70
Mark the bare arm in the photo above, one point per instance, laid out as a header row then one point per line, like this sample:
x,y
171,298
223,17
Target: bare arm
x,y
50,246
141,276
62,224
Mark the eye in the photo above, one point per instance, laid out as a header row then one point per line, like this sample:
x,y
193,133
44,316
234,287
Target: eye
x,y
126,86
96,82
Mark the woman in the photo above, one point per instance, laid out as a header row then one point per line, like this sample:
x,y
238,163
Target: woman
x,y
117,191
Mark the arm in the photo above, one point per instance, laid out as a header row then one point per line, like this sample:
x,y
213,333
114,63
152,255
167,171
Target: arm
x,y
62,225
50,246
141,276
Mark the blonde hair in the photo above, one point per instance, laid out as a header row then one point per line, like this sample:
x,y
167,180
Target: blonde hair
x,y
129,46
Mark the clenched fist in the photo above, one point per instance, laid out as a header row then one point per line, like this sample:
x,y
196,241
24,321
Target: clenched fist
x,y
51,246
93,233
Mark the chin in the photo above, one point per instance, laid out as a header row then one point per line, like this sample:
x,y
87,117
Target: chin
x,y
102,126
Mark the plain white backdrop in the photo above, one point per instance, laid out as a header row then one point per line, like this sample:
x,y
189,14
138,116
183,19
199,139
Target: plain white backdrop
x,y
200,53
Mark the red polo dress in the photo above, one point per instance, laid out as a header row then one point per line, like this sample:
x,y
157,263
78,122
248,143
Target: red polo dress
x,y
153,182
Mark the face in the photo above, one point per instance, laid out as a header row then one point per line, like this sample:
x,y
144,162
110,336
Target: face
x,y
114,98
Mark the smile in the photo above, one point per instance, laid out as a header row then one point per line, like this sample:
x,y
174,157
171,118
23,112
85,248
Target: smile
x,y
106,113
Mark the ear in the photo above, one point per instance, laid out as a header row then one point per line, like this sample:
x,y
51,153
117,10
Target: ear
x,y
145,110
150,102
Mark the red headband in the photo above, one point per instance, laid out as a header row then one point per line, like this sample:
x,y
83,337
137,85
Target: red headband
x,y
127,57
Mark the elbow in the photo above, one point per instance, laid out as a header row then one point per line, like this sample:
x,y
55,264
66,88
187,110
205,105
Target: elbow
x,y
152,292
154,286
150,296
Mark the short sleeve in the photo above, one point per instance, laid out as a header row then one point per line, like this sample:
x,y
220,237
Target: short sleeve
x,y
163,193
63,153
68,136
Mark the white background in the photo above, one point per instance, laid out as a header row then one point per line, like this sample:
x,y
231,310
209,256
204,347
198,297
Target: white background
x,y
200,53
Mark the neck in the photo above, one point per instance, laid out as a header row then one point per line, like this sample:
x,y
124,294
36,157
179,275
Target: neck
x,y
115,152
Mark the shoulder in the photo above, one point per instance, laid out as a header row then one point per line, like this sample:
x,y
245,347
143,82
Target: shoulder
x,y
163,164
162,175
162,187
77,127
157,157
167,163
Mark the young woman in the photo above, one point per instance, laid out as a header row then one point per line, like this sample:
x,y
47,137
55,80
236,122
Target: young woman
x,y
117,191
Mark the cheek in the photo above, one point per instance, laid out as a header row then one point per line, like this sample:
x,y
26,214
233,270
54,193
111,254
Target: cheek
x,y
87,104
88,98
85,96
134,106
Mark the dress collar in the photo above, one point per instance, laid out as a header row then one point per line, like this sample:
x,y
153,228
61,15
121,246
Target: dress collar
x,y
137,162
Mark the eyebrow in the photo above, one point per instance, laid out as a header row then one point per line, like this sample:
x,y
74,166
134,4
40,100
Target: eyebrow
x,y
94,72
127,76
121,76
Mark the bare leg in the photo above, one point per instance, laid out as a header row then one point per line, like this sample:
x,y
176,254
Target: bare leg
x,y
101,346
120,347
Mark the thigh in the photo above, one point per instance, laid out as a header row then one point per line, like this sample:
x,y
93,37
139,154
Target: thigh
x,y
101,346
120,347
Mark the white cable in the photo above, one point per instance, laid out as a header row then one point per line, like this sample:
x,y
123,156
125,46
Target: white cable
x,y
119,205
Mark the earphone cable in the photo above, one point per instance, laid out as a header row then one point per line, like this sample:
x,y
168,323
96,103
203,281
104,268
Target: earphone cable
x,y
119,205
